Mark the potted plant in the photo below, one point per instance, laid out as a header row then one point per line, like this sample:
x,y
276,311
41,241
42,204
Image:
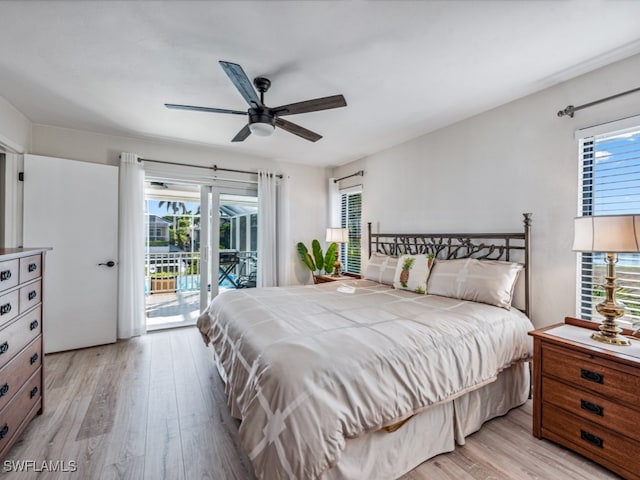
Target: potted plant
x,y
317,262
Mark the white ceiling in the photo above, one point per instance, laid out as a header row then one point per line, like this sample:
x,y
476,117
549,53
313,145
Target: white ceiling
x,y
405,68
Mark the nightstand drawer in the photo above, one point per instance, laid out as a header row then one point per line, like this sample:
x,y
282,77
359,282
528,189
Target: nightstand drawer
x,y
592,407
598,442
596,375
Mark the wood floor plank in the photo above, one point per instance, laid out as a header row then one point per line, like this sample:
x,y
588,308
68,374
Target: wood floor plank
x,y
154,408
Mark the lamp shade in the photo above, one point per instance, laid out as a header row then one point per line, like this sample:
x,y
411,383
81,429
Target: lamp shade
x,y
337,235
607,233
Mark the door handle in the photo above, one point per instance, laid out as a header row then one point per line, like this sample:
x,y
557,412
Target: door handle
x,y
109,264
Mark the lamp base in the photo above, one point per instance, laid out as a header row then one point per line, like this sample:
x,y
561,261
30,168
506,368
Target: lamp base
x,y
610,333
337,266
610,309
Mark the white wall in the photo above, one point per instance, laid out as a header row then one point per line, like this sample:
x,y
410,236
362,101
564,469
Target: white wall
x,y
307,214
482,173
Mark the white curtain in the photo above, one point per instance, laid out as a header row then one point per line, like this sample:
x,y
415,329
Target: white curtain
x,y
334,204
287,255
267,272
131,316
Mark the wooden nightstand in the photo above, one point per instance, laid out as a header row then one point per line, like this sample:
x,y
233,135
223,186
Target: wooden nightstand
x,y
328,278
586,396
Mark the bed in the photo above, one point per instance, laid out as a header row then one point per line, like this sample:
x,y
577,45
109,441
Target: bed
x,y
362,379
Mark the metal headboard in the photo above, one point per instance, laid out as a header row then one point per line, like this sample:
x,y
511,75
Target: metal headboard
x,y
487,246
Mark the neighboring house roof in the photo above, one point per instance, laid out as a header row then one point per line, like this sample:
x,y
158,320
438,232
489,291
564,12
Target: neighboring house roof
x,y
156,219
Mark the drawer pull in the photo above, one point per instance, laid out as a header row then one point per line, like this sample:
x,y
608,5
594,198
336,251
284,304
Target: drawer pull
x,y
592,407
32,294
4,309
32,267
33,392
4,390
33,325
592,439
34,358
591,376
4,431
5,275
4,347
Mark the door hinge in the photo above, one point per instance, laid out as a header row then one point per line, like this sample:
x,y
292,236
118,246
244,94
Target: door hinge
x,y
21,176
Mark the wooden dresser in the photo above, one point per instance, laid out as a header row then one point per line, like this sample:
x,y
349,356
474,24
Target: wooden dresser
x,y
21,350
586,396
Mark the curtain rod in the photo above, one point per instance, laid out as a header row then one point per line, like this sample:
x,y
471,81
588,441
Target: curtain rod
x,y
215,168
359,173
570,109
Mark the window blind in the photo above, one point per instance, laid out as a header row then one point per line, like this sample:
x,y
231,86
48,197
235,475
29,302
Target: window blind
x,y
609,185
351,219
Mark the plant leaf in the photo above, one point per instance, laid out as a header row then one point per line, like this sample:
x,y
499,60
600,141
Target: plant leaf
x,y
330,257
303,253
317,254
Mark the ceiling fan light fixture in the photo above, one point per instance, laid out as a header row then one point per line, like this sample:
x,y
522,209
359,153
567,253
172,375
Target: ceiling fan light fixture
x,y
261,129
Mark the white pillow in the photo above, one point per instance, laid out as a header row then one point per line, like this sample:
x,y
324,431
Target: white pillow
x,y
485,281
412,273
381,268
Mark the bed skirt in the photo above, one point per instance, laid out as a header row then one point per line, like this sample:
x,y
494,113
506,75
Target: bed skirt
x,y
384,455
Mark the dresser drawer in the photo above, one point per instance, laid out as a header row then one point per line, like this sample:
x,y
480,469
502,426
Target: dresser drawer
x,y
588,372
9,307
30,295
9,274
592,407
17,335
13,415
598,442
30,268
17,371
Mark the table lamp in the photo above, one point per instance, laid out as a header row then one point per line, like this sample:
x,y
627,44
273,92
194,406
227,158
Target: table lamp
x,y
610,234
337,235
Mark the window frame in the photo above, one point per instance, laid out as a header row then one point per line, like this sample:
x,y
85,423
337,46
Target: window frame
x,y
355,234
590,266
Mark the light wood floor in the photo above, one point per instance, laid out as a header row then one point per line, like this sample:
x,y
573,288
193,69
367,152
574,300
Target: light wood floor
x,y
154,408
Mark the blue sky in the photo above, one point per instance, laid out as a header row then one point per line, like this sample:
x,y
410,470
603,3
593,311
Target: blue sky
x,y
154,209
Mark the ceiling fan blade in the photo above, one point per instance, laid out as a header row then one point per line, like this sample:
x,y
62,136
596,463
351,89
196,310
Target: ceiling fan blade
x,y
242,134
203,109
324,103
242,83
298,130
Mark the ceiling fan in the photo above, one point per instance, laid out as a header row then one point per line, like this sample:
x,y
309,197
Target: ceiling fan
x,y
263,119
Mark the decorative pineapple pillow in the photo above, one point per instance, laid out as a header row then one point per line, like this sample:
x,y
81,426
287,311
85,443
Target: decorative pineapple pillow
x,y
412,273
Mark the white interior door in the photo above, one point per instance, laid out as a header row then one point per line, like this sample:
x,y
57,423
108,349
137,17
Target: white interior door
x,y
72,207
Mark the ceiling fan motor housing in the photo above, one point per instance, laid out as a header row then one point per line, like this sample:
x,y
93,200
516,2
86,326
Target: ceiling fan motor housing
x,y
261,122
261,115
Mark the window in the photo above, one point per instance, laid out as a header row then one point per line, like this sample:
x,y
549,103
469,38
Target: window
x,y
351,219
609,185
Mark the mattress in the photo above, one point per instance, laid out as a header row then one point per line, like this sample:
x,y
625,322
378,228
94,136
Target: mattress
x,y
308,368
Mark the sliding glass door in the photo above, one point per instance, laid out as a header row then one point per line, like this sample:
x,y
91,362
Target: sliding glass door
x,y
234,238
200,240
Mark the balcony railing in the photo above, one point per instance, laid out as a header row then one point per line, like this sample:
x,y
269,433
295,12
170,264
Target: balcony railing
x,y
179,272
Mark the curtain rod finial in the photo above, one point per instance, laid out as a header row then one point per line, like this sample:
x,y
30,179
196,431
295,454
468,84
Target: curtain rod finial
x,y
569,110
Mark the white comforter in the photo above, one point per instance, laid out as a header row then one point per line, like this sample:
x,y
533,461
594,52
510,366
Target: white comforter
x,y
307,367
